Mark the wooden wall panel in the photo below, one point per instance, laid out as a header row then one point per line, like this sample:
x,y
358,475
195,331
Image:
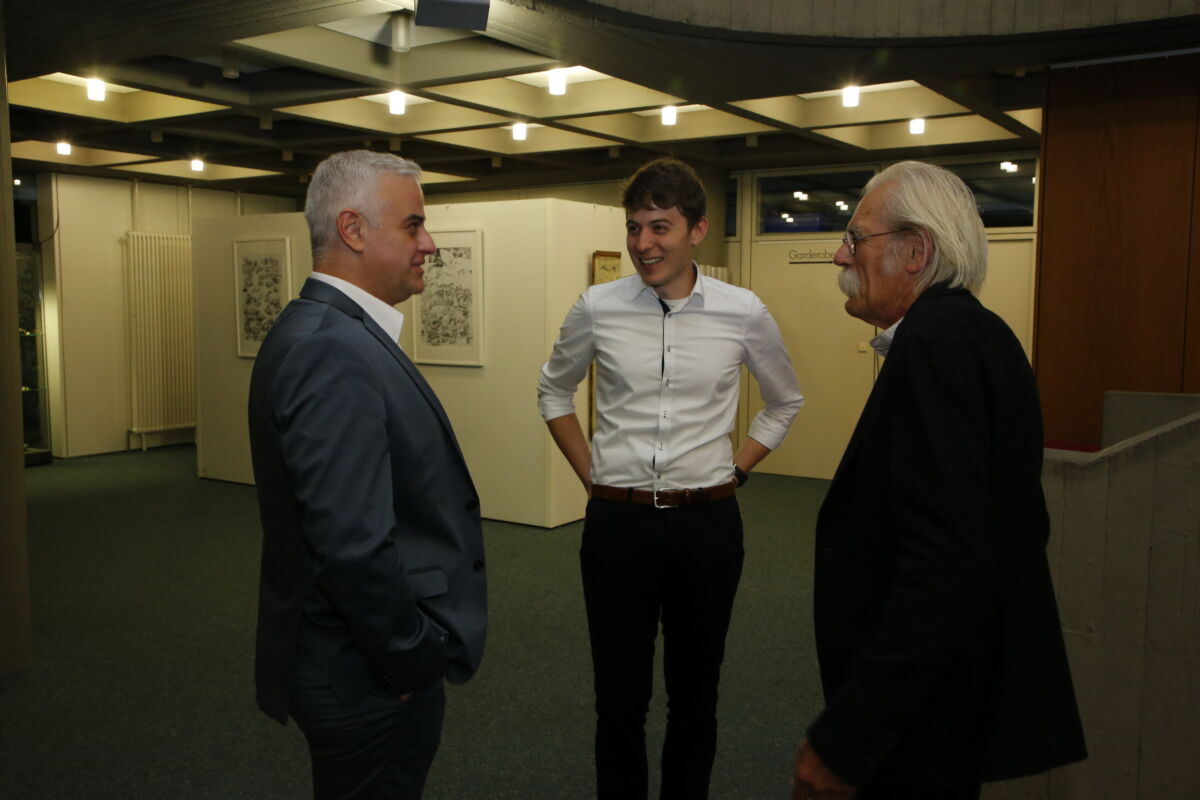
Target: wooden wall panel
x,y
1191,352
1115,232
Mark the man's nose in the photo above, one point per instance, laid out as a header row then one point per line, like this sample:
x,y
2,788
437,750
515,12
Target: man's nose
x,y
842,257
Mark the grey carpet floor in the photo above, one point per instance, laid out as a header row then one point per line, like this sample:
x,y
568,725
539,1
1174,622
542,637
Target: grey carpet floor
x,y
143,586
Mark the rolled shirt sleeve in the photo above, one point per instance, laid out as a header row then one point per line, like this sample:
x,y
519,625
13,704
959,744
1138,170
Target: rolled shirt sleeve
x,y
568,363
767,359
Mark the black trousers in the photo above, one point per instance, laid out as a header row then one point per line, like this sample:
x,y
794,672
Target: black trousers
x,y
381,747
642,565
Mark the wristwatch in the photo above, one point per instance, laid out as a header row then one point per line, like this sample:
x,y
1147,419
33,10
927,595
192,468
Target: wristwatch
x,y
740,475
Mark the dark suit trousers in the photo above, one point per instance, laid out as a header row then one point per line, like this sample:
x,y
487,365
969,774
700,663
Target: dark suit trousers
x,y
641,564
380,747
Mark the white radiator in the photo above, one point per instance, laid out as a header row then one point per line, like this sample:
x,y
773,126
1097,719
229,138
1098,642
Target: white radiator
x,y
162,353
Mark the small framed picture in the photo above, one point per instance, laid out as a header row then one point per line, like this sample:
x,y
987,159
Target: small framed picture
x,y
606,266
262,270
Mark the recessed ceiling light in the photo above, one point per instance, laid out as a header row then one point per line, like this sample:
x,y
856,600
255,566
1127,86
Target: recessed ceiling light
x,y
850,96
95,89
520,131
197,165
669,115
916,126
558,81
63,148
16,181
396,102
800,195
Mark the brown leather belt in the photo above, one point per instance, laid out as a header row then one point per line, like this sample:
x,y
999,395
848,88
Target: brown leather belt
x,y
664,498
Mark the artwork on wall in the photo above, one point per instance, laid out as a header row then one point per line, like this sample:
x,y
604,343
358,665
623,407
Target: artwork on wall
x,y
448,315
606,266
262,269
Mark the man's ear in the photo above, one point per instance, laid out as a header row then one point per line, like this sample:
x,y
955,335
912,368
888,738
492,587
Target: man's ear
x,y
699,230
351,228
918,251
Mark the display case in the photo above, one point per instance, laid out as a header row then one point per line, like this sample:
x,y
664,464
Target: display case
x,y
35,412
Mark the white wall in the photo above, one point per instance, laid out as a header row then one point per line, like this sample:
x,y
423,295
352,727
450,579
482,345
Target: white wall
x,y
537,256
85,315
222,377
536,262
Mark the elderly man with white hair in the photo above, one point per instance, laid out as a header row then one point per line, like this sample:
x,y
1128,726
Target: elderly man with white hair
x,y
941,653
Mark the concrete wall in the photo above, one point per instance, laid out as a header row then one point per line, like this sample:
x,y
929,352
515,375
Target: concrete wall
x,y
903,18
1125,550
1126,414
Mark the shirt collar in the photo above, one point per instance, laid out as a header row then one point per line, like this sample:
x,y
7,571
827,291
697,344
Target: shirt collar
x,y
387,317
883,342
696,297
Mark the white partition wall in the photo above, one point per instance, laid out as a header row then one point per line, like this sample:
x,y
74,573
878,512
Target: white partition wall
x,y
86,314
536,260
222,376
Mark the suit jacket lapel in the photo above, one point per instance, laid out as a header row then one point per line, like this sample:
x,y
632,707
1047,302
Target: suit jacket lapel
x,y
324,293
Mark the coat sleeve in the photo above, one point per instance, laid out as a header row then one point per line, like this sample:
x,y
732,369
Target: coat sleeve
x,y
936,490
332,420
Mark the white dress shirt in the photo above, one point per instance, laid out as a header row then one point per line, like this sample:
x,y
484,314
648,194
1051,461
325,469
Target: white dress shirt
x,y
883,342
667,383
387,317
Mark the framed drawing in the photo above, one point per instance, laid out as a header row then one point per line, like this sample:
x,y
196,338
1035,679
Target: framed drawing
x,y
606,266
448,315
262,275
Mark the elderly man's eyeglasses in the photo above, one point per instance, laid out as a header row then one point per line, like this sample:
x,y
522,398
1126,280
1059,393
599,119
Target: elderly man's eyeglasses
x,y
852,240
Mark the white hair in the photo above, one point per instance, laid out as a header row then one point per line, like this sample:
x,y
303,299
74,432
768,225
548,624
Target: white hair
x,y
936,201
347,180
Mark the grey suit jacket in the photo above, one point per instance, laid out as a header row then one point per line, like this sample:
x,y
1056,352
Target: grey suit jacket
x,y
372,557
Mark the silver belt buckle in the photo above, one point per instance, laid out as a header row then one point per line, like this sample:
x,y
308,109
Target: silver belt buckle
x,y
656,505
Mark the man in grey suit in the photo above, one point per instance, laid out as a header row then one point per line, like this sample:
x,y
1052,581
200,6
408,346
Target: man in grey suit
x,y
372,587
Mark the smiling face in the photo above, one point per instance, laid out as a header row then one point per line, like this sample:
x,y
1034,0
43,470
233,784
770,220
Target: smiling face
x,y
395,240
660,244
880,278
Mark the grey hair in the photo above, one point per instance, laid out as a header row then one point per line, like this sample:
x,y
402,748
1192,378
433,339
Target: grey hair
x,y
347,180
936,201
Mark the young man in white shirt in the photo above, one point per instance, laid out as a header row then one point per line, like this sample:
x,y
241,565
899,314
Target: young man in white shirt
x,y
663,533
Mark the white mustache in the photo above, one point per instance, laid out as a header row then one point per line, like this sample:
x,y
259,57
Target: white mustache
x,y
849,283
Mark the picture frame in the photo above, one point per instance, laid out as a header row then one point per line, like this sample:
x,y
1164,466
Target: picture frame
x,y
448,323
262,285
606,266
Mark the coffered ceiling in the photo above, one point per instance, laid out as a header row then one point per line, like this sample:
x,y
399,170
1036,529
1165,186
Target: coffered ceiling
x,y
259,91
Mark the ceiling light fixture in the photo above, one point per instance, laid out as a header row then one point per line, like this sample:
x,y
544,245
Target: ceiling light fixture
x,y
95,89
669,115
396,102
1008,166
916,126
197,165
800,195
63,148
850,97
520,131
558,81
16,181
